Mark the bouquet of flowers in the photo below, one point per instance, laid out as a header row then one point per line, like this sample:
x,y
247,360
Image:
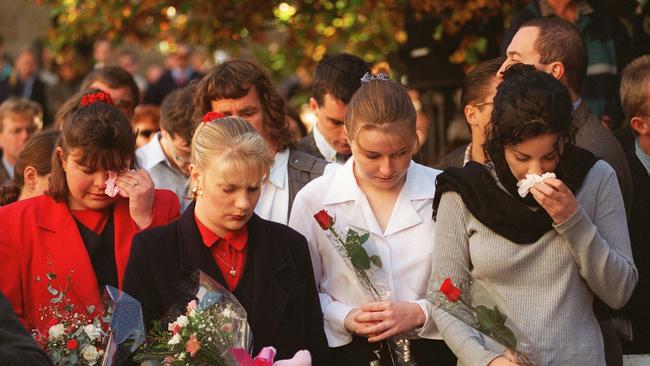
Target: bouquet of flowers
x,y
77,337
212,330
467,300
364,265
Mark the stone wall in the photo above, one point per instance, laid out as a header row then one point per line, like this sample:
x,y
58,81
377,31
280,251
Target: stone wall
x,y
21,22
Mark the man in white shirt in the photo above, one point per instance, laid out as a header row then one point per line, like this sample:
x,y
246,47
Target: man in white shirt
x,y
243,89
336,79
167,156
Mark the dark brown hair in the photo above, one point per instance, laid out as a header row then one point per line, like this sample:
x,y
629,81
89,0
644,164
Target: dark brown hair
x,y
144,111
559,40
477,83
37,153
103,135
69,107
232,80
338,75
528,103
177,115
115,77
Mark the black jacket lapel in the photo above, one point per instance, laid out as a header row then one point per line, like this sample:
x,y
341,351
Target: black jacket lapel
x,y
193,254
269,294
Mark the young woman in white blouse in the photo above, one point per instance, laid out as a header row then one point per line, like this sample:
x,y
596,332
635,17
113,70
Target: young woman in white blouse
x,y
379,191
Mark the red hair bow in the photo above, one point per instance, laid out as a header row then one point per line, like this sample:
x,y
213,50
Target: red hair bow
x,y
211,116
99,96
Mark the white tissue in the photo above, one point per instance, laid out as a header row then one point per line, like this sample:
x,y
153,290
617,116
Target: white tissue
x,y
530,181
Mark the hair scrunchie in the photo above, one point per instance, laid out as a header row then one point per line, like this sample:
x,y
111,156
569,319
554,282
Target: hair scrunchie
x,y
211,116
96,97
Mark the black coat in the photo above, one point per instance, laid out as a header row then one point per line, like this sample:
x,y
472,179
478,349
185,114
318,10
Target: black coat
x,y
17,346
280,299
156,93
639,305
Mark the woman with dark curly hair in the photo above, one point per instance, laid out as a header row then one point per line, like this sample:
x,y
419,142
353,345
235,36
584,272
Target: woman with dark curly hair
x,y
546,252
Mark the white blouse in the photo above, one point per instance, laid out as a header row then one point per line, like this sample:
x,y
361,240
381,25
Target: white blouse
x,y
405,247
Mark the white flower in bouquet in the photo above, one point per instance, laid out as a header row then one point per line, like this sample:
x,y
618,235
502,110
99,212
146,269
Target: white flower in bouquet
x,y
228,313
182,321
90,354
176,339
56,332
92,331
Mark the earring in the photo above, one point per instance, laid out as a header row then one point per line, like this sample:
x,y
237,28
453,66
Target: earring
x,y
197,191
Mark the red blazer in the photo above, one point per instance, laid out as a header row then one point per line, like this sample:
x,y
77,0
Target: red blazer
x,y
38,231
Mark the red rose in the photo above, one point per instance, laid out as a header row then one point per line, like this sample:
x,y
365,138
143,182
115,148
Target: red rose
x,y
324,219
72,344
451,292
176,329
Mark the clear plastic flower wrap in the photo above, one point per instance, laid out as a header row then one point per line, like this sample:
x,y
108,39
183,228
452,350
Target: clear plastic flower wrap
x,y
89,336
460,295
212,329
352,247
126,332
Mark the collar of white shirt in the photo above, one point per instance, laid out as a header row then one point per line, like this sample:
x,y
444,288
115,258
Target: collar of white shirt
x,y
8,168
418,189
279,169
468,154
152,153
273,203
328,152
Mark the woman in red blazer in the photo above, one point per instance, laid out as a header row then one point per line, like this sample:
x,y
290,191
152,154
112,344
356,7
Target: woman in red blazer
x,y
77,231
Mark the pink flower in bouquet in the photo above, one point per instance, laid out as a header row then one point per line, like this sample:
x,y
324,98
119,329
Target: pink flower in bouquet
x,y
191,307
324,219
192,345
451,292
227,328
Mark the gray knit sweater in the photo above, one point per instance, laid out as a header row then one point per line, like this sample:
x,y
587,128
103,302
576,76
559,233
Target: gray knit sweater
x,y
548,285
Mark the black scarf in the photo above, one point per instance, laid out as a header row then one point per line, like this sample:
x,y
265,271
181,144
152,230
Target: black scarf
x,y
505,212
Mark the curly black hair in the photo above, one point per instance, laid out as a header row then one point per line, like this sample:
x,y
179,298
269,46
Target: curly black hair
x,y
528,103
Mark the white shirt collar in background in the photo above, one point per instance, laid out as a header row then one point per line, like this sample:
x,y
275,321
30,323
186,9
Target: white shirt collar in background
x,y
274,200
328,152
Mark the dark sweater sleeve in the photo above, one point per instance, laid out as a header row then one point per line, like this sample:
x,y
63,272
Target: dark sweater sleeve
x,y
17,347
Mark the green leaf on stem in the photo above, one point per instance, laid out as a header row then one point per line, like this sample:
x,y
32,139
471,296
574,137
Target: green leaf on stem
x,y
376,260
52,290
359,257
363,238
492,322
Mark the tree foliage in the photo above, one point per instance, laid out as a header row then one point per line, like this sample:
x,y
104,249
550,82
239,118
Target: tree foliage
x,y
283,34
